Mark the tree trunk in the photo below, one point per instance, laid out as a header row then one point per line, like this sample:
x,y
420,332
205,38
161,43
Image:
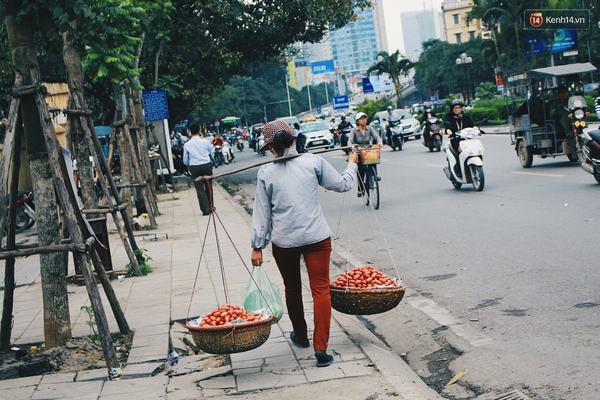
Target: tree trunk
x,y
57,328
75,80
124,152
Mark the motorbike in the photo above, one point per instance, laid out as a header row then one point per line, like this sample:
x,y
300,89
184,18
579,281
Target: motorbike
x,y
180,167
261,143
435,135
397,137
25,217
239,142
218,155
344,137
470,160
226,152
589,142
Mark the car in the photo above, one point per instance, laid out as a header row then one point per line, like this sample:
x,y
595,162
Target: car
x,y
290,120
411,127
317,135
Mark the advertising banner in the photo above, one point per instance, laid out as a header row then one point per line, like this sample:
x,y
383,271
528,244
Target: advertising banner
x,y
564,40
322,67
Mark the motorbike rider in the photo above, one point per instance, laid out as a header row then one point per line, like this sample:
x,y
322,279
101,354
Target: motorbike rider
x,y
363,135
458,121
560,113
392,118
424,120
343,125
300,138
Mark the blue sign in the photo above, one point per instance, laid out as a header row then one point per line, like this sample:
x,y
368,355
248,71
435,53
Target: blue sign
x,y
340,102
155,104
367,86
564,40
322,67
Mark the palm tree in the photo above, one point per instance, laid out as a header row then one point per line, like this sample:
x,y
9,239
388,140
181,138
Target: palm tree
x,y
395,66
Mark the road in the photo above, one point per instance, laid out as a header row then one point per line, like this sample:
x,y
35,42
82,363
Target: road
x,y
502,283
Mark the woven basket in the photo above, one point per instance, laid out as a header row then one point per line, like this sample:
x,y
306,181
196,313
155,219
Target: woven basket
x,y
365,301
370,156
230,339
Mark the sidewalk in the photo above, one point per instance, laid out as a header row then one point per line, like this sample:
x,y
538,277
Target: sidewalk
x,y
363,366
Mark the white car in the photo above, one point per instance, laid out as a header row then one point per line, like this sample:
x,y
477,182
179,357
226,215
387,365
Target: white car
x,y
317,135
411,127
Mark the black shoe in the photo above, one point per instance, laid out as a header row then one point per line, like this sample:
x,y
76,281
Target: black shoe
x,y
302,343
323,359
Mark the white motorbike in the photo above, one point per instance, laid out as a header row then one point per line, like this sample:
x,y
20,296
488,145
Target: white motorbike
x,y
261,143
226,152
470,160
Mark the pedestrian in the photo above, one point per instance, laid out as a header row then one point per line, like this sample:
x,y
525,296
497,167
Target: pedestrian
x,y
197,156
287,214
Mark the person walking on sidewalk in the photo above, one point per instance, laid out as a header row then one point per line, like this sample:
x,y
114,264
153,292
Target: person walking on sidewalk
x,y
196,155
287,213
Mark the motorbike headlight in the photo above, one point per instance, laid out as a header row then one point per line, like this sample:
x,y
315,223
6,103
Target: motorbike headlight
x,y
579,113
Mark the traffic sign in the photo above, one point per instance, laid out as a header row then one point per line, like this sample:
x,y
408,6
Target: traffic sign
x,y
340,102
155,104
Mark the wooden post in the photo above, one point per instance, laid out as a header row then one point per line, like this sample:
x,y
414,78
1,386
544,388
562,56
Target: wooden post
x,y
11,150
74,221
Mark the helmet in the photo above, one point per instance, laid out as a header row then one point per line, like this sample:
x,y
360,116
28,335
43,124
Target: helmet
x,y
360,115
456,102
389,108
343,117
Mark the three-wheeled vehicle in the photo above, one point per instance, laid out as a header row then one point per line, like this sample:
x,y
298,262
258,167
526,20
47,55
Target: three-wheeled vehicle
x,y
534,129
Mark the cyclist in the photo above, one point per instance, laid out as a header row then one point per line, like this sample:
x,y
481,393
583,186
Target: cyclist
x,y
362,135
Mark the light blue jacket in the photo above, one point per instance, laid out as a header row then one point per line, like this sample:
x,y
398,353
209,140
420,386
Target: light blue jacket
x,y
286,206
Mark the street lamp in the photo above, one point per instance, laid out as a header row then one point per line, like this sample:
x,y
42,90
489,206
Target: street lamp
x,y
466,62
273,102
244,93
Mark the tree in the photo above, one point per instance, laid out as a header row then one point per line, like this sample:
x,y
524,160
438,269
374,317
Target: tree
x,y
395,66
218,39
486,91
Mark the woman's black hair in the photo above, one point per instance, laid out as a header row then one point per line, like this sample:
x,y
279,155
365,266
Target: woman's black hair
x,y
282,141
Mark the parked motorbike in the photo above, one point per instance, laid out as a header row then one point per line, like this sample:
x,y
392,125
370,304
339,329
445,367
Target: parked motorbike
x,y
25,217
434,127
180,167
589,140
397,137
239,142
470,160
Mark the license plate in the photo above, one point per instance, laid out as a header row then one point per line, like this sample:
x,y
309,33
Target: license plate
x,y
318,142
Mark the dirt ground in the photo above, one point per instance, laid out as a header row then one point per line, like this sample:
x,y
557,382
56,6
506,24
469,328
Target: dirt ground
x,y
78,354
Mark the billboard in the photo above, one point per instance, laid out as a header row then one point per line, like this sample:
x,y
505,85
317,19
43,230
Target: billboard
x,y
564,40
322,67
377,83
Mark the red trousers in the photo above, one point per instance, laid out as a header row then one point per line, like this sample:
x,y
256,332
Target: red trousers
x,y
316,258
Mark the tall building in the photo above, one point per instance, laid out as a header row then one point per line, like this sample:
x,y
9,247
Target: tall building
x,y
458,30
418,27
355,46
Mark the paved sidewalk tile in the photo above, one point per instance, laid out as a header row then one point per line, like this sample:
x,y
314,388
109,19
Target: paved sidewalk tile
x,y
76,390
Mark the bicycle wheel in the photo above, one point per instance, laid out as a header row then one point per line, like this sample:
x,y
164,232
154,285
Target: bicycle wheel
x,y
373,188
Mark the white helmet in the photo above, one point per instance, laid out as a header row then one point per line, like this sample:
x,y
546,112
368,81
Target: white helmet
x,y
360,115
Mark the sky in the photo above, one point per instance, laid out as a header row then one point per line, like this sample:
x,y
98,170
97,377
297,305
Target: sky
x,y
392,10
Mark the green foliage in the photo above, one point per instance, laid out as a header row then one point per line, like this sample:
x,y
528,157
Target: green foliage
x,y
142,259
395,66
91,322
371,107
486,90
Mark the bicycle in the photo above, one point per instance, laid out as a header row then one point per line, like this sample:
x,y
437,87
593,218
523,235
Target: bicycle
x,y
370,157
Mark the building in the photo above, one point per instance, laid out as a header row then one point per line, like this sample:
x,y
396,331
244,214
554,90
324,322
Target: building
x,y
418,27
457,28
355,46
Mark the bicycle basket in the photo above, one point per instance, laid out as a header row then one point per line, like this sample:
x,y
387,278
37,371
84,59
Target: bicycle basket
x,y
370,156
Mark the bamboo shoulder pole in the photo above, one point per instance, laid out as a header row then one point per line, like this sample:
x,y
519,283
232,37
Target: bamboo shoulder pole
x,y
274,160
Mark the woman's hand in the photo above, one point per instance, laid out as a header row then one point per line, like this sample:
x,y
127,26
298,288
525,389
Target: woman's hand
x,y
353,157
256,257
376,146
